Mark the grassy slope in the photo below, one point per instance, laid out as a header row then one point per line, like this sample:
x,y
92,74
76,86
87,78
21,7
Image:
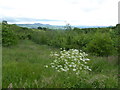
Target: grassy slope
x,y
23,66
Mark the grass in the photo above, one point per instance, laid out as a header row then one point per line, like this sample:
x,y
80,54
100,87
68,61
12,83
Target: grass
x,y
23,67
25,61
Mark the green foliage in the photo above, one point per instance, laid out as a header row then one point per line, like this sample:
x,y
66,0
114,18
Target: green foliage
x,y
98,65
40,37
4,22
42,28
101,45
24,33
102,81
9,37
23,67
97,41
11,34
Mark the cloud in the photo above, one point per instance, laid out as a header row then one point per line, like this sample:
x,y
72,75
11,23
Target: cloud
x,y
76,12
17,20
119,12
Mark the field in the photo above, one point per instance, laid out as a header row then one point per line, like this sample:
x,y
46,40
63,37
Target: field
x,y
24,62
23,67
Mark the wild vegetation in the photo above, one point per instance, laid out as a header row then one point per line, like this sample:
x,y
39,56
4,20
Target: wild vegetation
x,y
88,57
99,41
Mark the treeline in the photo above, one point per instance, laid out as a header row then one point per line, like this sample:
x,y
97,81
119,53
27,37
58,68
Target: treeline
x,y
96,41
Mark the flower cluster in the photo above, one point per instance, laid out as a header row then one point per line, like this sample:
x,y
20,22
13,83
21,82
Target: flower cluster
x,y
71,60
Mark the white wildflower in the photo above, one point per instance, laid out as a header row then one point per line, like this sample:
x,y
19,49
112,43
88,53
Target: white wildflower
x,y
74,65
72,59
52,66
70,65
46,66
74,69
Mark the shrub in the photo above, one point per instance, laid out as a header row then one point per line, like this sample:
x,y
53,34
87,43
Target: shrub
x,y
101,45
9,37
94,42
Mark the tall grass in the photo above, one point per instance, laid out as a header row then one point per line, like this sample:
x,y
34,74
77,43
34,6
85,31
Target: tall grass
x,y
23,67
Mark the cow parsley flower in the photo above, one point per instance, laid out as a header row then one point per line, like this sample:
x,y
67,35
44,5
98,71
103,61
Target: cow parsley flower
x,y
73,59
74,69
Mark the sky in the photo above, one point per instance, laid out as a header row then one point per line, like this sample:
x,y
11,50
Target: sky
x,y
60,12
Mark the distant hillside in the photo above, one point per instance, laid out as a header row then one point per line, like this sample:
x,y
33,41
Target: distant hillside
x,y
36,25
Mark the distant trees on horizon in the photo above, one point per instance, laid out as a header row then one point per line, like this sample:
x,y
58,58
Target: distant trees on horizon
x,y
42,28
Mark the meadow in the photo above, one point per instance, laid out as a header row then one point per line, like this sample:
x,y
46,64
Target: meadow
x,y
26,53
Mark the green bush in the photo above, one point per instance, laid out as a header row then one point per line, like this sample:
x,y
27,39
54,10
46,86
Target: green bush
x,y
12,33
101,45
9,37
99,42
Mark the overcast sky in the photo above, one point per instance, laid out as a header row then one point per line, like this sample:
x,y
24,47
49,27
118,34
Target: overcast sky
x,y
60,12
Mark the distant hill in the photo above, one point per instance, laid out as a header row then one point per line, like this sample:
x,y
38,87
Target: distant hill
x,y
90,26
36,25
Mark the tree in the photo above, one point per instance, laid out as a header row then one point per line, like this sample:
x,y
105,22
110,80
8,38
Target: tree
x,y
40,28
4,22
68,27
